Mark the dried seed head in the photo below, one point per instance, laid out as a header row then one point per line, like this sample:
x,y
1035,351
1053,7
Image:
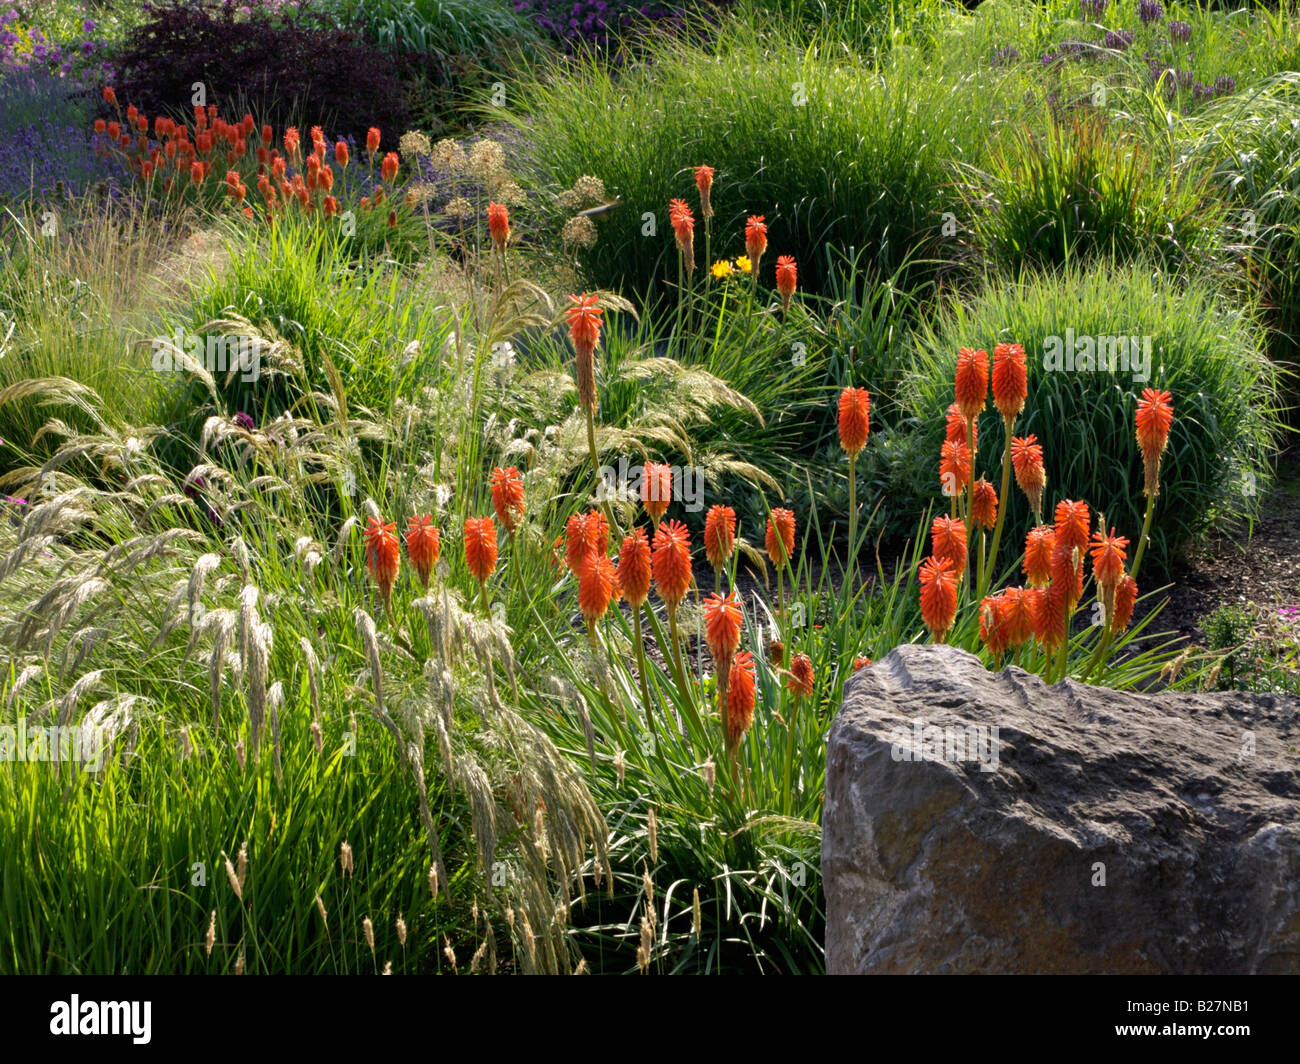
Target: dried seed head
x,y
239,754
648,885
449,953
401,931
186,747
320,908
620,766
345,858
477,959
697,918
239,963
368,929
710,773
433,880
210,939
388,968
241,869
647,944
582,968
235,883
316,737
1212,680
652,829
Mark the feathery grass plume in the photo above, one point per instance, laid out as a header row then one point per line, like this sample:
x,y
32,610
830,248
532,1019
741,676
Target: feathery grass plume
x,y
368,930
239,963
313,678
345,858
236,884
324,919
241,868
25,676
210,939
68,703
240,757
450,954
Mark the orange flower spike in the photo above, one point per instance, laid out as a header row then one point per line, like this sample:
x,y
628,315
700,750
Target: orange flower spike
x,y
341,155
671,560
1108,556
855,419
388,168
683,223
704,182
740,698
860,663
800,680
956,430
1027,460
954,467
755,239
597,587
584,318
423,545
719,535
984,504
1037,564
948,540
634,567
779,538
1067,572
480,547
994,632
372,140
383,557
1072,524
972,383
723,618
656,489
1155,416
1018,615
1010,381
1126,593
787,279
498,216
508,497
938,596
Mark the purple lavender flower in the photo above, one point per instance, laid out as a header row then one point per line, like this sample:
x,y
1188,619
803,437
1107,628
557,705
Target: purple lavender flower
x,y
1005,56
245,422
1225,86
1179,31
1118,40
1092,10
1150,11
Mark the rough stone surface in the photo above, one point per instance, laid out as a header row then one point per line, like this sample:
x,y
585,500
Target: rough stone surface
x,y
940,866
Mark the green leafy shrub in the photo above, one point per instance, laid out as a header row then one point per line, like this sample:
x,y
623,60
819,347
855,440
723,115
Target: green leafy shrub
x,y
1206,353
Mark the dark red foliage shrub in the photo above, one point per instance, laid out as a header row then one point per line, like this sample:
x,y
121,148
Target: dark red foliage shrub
x,y
286,67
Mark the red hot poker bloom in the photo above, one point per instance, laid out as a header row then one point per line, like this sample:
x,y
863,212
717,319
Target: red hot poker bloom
x,y
672,563
480,547
508,497
787,278
719,535
948,540
423,544
1037,564
954,467
499,224
1126,593
972,385
372,140
656,489
984,504
684,231
1108,559
634,567
938,596
956,426
855,419
383,556
597,587
755,239
341,153
1010,380
1155,416
1018,615
860,663
704,182
740,697
388,168
584,330
779,538
722,622
1072,524
1027,460
585,535
994,631
800,680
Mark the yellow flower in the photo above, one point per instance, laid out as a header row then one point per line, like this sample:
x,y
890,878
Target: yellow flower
x,y
744,265
721,269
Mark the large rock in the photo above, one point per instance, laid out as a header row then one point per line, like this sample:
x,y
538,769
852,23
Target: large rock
x,y
1101,832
